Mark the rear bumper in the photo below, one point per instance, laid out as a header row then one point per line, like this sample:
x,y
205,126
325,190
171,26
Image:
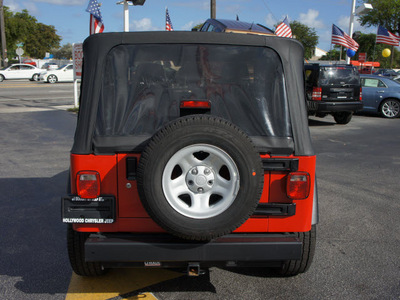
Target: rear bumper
x,y
163,249
327,107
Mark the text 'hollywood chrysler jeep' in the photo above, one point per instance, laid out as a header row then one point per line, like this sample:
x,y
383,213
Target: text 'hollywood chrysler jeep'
x,y
192,150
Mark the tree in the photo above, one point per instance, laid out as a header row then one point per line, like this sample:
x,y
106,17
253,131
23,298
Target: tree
x,y
374,51
385,13
65,52
333,54
367,45
41,40
306,35
198,26
38,38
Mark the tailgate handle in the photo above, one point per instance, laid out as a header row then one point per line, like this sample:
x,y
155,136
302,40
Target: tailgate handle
x,y
131,166
280,164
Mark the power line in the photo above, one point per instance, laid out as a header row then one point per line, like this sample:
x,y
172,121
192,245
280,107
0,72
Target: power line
x,y
270,11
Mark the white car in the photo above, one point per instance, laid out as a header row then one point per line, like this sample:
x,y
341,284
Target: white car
x,y
62,74
49,66
20,71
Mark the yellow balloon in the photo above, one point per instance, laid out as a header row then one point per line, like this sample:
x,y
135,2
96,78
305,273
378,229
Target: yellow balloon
x,y
386,52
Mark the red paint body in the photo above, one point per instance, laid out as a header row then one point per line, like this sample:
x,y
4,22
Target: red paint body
x,y
132,217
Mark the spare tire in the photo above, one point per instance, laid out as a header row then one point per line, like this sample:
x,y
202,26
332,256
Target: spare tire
x,y
200,177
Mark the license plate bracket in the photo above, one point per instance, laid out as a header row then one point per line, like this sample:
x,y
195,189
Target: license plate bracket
x,y
88,211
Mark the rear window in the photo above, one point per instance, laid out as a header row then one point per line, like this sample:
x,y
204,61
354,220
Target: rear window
x,y
339,76
143,85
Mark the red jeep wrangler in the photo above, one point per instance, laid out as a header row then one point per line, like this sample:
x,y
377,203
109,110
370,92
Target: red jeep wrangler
x,y
192,150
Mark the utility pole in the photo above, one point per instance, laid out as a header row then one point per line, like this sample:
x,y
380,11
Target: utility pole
x,y
3,36
213,12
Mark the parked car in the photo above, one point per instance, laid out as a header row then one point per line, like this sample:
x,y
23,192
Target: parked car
x,y
20,71
50,66
29,61
396,78
333,89
191,150
381,95
221,25
386,72
62,74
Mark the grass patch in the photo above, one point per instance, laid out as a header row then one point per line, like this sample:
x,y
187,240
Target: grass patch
x,y
74,109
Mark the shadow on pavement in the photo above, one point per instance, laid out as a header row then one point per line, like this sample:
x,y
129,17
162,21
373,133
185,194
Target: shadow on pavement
x,y
34,259
33,251
320,122
33,247
180,284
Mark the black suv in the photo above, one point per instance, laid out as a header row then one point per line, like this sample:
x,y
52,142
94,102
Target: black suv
x,y
192,149
333,89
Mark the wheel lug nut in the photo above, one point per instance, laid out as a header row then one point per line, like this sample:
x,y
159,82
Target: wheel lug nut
x,y
194,171
207,171
200,190
190,182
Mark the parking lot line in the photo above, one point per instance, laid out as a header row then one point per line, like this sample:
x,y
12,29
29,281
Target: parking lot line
x,y
34,99
117,283
13,86
22,109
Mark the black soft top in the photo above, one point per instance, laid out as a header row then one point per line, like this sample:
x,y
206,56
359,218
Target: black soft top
x,y
98,46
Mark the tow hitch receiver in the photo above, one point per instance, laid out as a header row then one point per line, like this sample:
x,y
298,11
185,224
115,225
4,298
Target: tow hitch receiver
x,y
194,270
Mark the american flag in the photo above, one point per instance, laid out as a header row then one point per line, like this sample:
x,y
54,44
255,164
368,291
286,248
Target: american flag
x,y
168,23
283,29
384,36
96,21
339,37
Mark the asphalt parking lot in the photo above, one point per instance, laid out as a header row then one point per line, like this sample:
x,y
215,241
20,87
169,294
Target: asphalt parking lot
x,y
358,243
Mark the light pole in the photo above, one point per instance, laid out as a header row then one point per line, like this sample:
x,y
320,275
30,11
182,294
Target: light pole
x,y
3,37
361,10
126,4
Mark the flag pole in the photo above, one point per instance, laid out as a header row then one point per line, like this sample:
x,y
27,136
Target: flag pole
x,y
330,50
351,25
126,16
373,55
391,60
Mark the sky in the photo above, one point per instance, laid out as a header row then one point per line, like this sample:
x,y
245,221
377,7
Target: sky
x,y
72,21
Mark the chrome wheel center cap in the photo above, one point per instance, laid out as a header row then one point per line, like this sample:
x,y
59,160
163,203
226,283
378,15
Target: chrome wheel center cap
x,y
200,179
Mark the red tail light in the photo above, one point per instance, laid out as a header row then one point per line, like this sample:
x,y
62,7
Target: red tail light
x,y
195,104
316,93
298,185
88,184
360,94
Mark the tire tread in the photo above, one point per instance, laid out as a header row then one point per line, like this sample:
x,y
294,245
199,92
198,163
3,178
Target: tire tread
x,y
295,267
76,254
